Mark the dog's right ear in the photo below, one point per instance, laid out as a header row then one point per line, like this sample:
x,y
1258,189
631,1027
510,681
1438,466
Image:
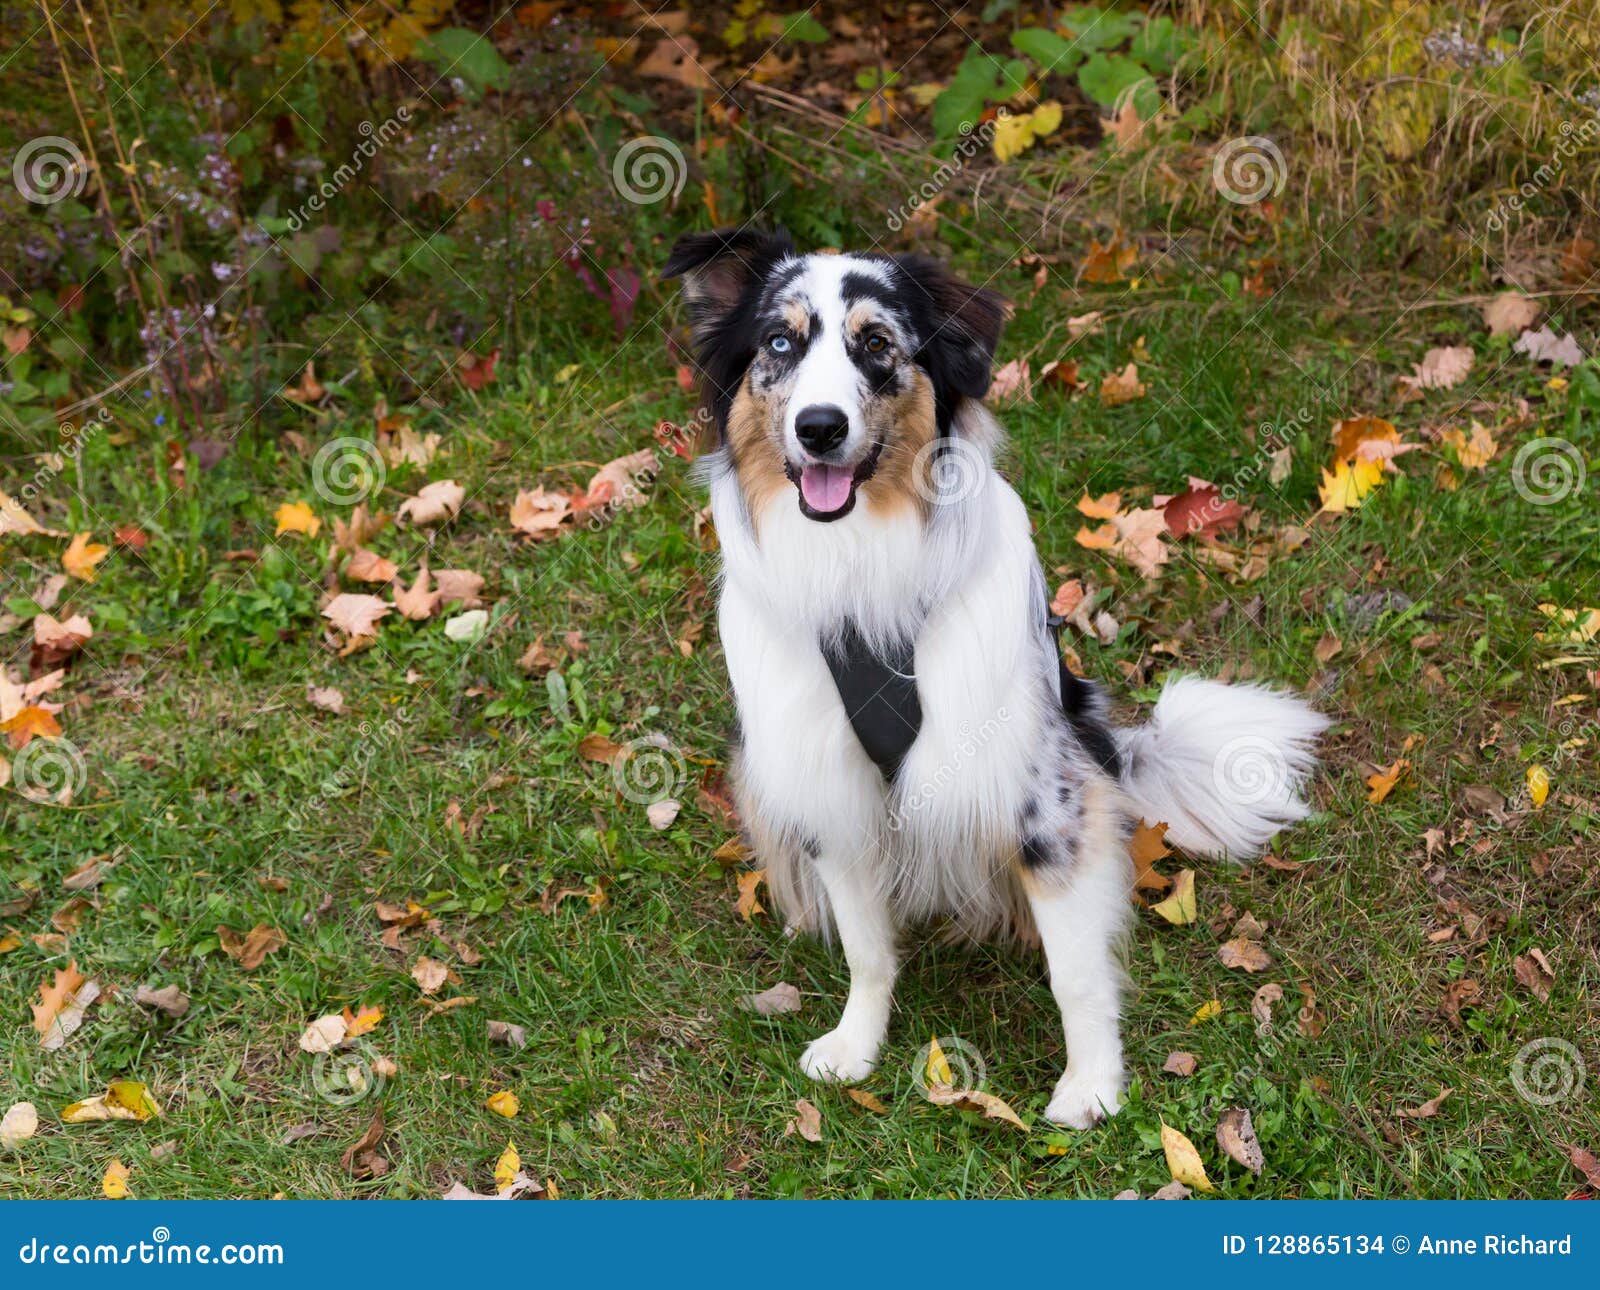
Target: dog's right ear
x,y
718,267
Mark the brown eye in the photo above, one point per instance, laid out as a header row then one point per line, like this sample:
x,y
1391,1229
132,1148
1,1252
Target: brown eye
x,y
876,343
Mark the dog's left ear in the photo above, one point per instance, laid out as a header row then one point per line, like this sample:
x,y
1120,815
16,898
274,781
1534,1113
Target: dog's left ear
x,y
718,267
964,325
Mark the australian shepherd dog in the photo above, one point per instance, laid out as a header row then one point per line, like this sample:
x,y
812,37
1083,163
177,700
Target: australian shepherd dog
x,y
910,747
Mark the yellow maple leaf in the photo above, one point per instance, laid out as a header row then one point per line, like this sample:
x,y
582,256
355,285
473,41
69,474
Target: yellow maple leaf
x,y
1582,625
114,1186
507,1167
504,1103
30,722
1473,453
1346,486
1383,782
1016,132
1538,786
296,517
81,556
1210,1010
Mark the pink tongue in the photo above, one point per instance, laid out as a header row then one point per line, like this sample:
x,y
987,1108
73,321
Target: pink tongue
x,y
825,488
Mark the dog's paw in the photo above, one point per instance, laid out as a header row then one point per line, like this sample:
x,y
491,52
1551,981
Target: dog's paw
x,y
1081,1101
839,1057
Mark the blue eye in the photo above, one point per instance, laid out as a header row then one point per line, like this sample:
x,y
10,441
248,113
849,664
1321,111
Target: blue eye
x,y
779,344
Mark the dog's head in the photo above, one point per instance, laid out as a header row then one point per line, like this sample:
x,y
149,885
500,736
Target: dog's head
x,y
831,374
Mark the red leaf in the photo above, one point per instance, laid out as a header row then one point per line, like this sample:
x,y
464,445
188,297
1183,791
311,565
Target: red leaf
x,y
1201,511
477,372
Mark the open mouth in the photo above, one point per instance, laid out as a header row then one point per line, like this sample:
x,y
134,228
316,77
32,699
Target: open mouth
x,y
829,492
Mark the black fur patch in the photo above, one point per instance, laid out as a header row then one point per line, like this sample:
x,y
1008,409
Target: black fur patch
x,y
1035,853
879,695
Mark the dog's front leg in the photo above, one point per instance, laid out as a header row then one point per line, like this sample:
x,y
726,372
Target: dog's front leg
x,y
865,922
1079,899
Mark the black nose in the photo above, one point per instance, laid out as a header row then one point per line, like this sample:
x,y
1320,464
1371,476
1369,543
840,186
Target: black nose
x,y
821,427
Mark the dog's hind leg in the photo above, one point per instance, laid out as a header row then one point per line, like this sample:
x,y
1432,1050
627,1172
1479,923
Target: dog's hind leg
x,y
866,927
1077,885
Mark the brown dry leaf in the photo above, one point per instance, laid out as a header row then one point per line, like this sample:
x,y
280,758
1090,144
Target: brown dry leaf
x,y
1442,368
429,974
356,615
324,1034
773,1002
435,503
358,1157
1474,452
416,602
1147,846
308,389
62,1003
123,1100
1458,995
623,483
678,59
1311,1020
28,724
1013,380
20,1122
361,529
1585,1162
807,1122
54,642
972,1099
15,519
507,1033
1261,1003
458,587
1183,1161
1180,907
81,556
1510,314
1327,648
406,447
1108,262
368,566
90,874
1427,1110
1121,387
1245,954
539,512
326,698
168,999
1236,1136
1353,435
253,947
1533,971
66,919
1089,324
749,882
539,658
861,1097
1181,1064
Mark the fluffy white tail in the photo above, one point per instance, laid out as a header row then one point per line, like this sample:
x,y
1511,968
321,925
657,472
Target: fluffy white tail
x,y
1221,764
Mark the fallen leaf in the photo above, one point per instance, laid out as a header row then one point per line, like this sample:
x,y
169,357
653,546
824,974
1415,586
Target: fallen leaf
x,y
1146,847
296,517
1346,486
807,1122
507,1167
1544,346
469,627
1180,1063
252,948
54,642
308,389
1476,452
1012,381
15,519
539,512
1183,1161
62,1004
361,1155
1442,368
1107,263
504,1103
519,1186
476,372
1538,778
355,614
1117,388
597,747
1311,1021
434,503
661,814
1210,1010
81,556
1236,1137
1458,995
749,882
429,974
459,587
1261,1003
325,697
1586,1163
324,1034
971,1099
780,999
870,1101
114,1186
1244,954
90,874
505,1032
20,1122
368,566
1089,324
123,1100
362,1022
1510,314
1382,783
30,723
168,999
1427,1110
1179,908
1533,971
1201,510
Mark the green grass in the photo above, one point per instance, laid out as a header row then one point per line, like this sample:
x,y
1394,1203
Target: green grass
x,y
208,770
